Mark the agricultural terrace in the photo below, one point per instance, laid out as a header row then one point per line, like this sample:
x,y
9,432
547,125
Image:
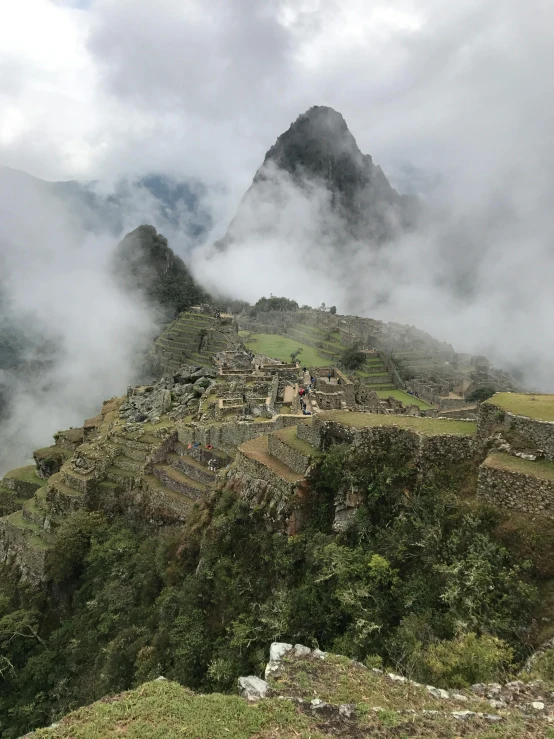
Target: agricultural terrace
x,y
406,398
281,347
428,426
539,407
540,468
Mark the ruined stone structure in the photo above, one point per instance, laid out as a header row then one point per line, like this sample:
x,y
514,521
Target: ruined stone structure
x,y
195,337
238,422
519,472
398,356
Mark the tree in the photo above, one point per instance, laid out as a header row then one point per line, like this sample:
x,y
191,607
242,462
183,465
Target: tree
x,y
333,310
274,303
352,358
481,394
295,354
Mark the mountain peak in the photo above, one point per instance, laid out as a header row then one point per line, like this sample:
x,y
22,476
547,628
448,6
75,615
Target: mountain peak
x,y
317,156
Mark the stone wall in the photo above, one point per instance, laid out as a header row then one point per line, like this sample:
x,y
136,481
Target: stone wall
x,y
157,506
538,434
289,455
234,433
310,433
329,401
280,500
425,449
393,372
517,491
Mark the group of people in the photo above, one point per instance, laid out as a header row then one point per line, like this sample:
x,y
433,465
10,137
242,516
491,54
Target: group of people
x,y
413,392
195,448
303,407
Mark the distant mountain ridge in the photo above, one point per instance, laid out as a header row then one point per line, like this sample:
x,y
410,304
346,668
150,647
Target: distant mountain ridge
x,y
154,197
318,150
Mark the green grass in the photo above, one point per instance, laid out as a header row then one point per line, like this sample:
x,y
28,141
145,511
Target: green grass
x,y
48,452
428,426
540,407
25,474
281,347
35,535
288,436
165,710
539,468
404,397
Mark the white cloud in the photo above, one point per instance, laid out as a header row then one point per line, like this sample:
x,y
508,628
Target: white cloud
x,y
112,87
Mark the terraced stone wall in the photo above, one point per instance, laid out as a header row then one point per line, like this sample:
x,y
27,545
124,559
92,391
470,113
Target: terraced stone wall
x,y
18,547
424,449
310,433
287,454
233,433
517,491
538,434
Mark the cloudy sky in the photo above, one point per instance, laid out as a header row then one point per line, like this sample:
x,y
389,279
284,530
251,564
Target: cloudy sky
x,y
97,88
458,92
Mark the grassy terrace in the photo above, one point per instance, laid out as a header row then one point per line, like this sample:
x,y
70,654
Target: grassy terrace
x,y
289,437
35,535
165,710
540,468
404,397
540,407
427,426
281,347
25,474
257,449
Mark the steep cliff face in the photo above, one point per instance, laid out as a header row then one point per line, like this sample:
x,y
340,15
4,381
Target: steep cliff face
x,y
319,157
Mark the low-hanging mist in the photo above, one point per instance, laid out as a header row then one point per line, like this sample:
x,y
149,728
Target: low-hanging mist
x,y
473,272
77,336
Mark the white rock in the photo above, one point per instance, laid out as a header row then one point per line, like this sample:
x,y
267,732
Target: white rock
x,y
252,688
277,650
438,692
492,717
301,651
317,704
459,697
463,715
538,705
160,678
396,678
347,710
319,654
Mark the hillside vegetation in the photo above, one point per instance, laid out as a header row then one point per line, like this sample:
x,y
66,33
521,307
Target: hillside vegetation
x,y
425,581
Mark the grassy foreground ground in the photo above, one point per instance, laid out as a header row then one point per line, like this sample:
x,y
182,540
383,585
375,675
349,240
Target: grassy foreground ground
x,y
540,407
378,706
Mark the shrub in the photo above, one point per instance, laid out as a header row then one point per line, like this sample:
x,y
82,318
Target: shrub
x,y
352,357
465,660
481,394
